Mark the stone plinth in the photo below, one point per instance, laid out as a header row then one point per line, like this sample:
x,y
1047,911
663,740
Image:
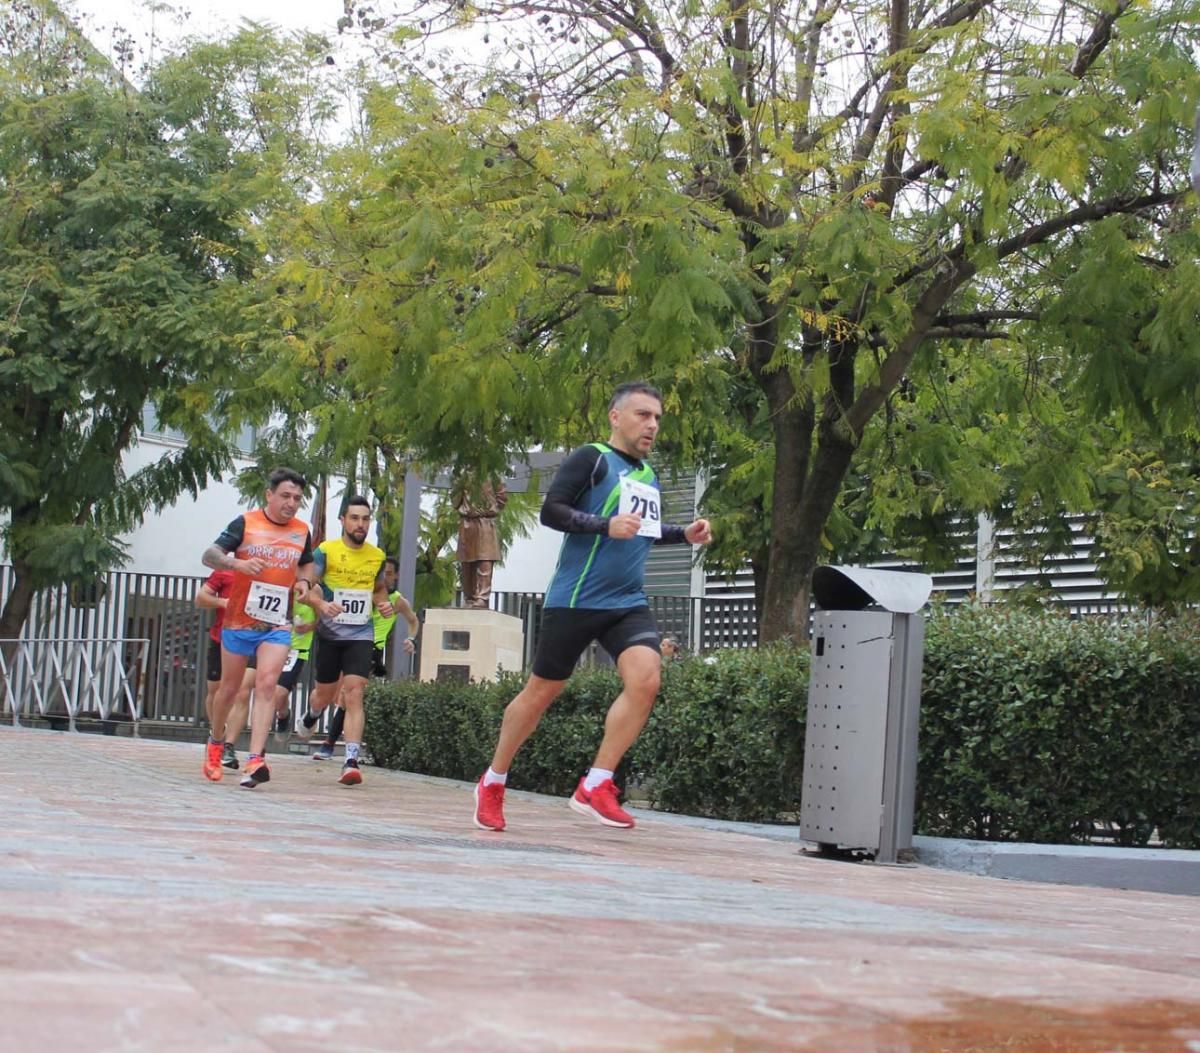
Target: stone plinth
x,y
460,643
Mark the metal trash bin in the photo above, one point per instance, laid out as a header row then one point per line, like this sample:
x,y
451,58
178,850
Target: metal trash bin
x,y
864,696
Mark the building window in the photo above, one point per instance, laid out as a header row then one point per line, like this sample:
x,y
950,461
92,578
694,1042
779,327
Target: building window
x,y
152,428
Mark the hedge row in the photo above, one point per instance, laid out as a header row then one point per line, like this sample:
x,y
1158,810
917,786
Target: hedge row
x,y
1033,728
1037,728
726,738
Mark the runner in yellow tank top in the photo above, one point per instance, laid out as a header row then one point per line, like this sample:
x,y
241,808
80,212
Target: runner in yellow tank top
x,y
349,571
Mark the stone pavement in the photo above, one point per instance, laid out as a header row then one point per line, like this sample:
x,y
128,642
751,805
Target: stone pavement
x,y
144,909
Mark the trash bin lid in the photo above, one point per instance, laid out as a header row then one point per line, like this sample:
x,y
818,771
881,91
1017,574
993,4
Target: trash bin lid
x,y
853,588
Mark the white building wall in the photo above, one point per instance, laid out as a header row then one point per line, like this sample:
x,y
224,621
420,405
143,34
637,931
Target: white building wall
x,y
171,541
529,562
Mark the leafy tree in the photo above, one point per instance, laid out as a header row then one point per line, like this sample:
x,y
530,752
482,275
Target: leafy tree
x,y
781,212
127,220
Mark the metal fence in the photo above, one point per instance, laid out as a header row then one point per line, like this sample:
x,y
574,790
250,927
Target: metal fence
x,y
71,677
699,623
158,609
156,614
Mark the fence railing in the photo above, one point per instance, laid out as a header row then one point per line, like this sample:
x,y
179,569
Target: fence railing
x,y
698,623
159,611
73,677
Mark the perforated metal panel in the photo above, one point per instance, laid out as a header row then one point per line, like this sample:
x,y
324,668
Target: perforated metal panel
x,y
842,796
860,752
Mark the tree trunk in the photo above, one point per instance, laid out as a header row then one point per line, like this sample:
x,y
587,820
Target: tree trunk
x,y
12,619
799,511
760,571
19,602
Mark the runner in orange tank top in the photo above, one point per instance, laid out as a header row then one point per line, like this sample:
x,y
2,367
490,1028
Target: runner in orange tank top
x,y
269,551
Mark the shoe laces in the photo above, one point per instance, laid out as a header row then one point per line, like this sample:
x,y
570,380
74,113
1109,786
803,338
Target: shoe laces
x,y
607,789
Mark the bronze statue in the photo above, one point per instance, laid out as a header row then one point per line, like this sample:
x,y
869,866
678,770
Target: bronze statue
x,y
478,539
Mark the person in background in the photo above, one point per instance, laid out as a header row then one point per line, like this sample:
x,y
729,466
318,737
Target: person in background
x,y
268,550
383,625
304,621
214,595
348,584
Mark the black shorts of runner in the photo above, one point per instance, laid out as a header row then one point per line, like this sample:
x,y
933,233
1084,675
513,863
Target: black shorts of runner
x,y
378,665
335,657
566,633
290,677
212,661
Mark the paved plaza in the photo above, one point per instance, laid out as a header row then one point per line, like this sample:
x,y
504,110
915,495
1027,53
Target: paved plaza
x,y
143,909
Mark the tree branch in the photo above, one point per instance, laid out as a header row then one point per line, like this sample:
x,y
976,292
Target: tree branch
x,y
959,13
1089,213
1097,40
805,74
964,332
575,272
980,317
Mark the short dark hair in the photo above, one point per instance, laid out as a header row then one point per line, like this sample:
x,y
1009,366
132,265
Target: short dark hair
x,y
395,563
632,387
355,499
285,475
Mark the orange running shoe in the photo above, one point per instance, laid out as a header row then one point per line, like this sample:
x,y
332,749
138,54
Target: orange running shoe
x,y
212,760
350,776
601,804
255,772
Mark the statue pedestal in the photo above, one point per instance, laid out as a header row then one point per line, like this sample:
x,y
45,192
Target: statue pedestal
x,y
461,643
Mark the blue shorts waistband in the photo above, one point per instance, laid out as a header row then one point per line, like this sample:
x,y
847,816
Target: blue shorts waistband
x,y
245,642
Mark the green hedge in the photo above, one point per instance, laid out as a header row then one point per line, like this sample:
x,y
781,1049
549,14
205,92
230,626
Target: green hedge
x,y
725,739
1036,728
1033,728
450,729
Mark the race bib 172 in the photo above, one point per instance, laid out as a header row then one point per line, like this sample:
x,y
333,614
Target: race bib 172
x,y
268,603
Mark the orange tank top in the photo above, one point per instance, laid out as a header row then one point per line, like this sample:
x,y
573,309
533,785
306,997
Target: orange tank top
x,y
264,601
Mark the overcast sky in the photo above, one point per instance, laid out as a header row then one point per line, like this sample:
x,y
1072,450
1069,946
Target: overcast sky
x,y
204,18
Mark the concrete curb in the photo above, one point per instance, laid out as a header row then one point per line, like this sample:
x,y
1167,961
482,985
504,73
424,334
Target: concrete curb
x,y
1146,869
1174,871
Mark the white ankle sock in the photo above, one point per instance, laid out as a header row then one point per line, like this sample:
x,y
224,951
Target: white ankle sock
x,y
595,777
490,778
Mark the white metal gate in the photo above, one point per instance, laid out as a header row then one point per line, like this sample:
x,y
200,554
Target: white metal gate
x,y
50,677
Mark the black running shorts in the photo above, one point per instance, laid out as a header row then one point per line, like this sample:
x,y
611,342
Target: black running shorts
x,y
566,633
335,657
289,677
213,661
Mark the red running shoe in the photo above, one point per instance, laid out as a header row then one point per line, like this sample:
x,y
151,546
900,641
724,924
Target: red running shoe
x,y
601,804
350,776
212,761
255,772
489,805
